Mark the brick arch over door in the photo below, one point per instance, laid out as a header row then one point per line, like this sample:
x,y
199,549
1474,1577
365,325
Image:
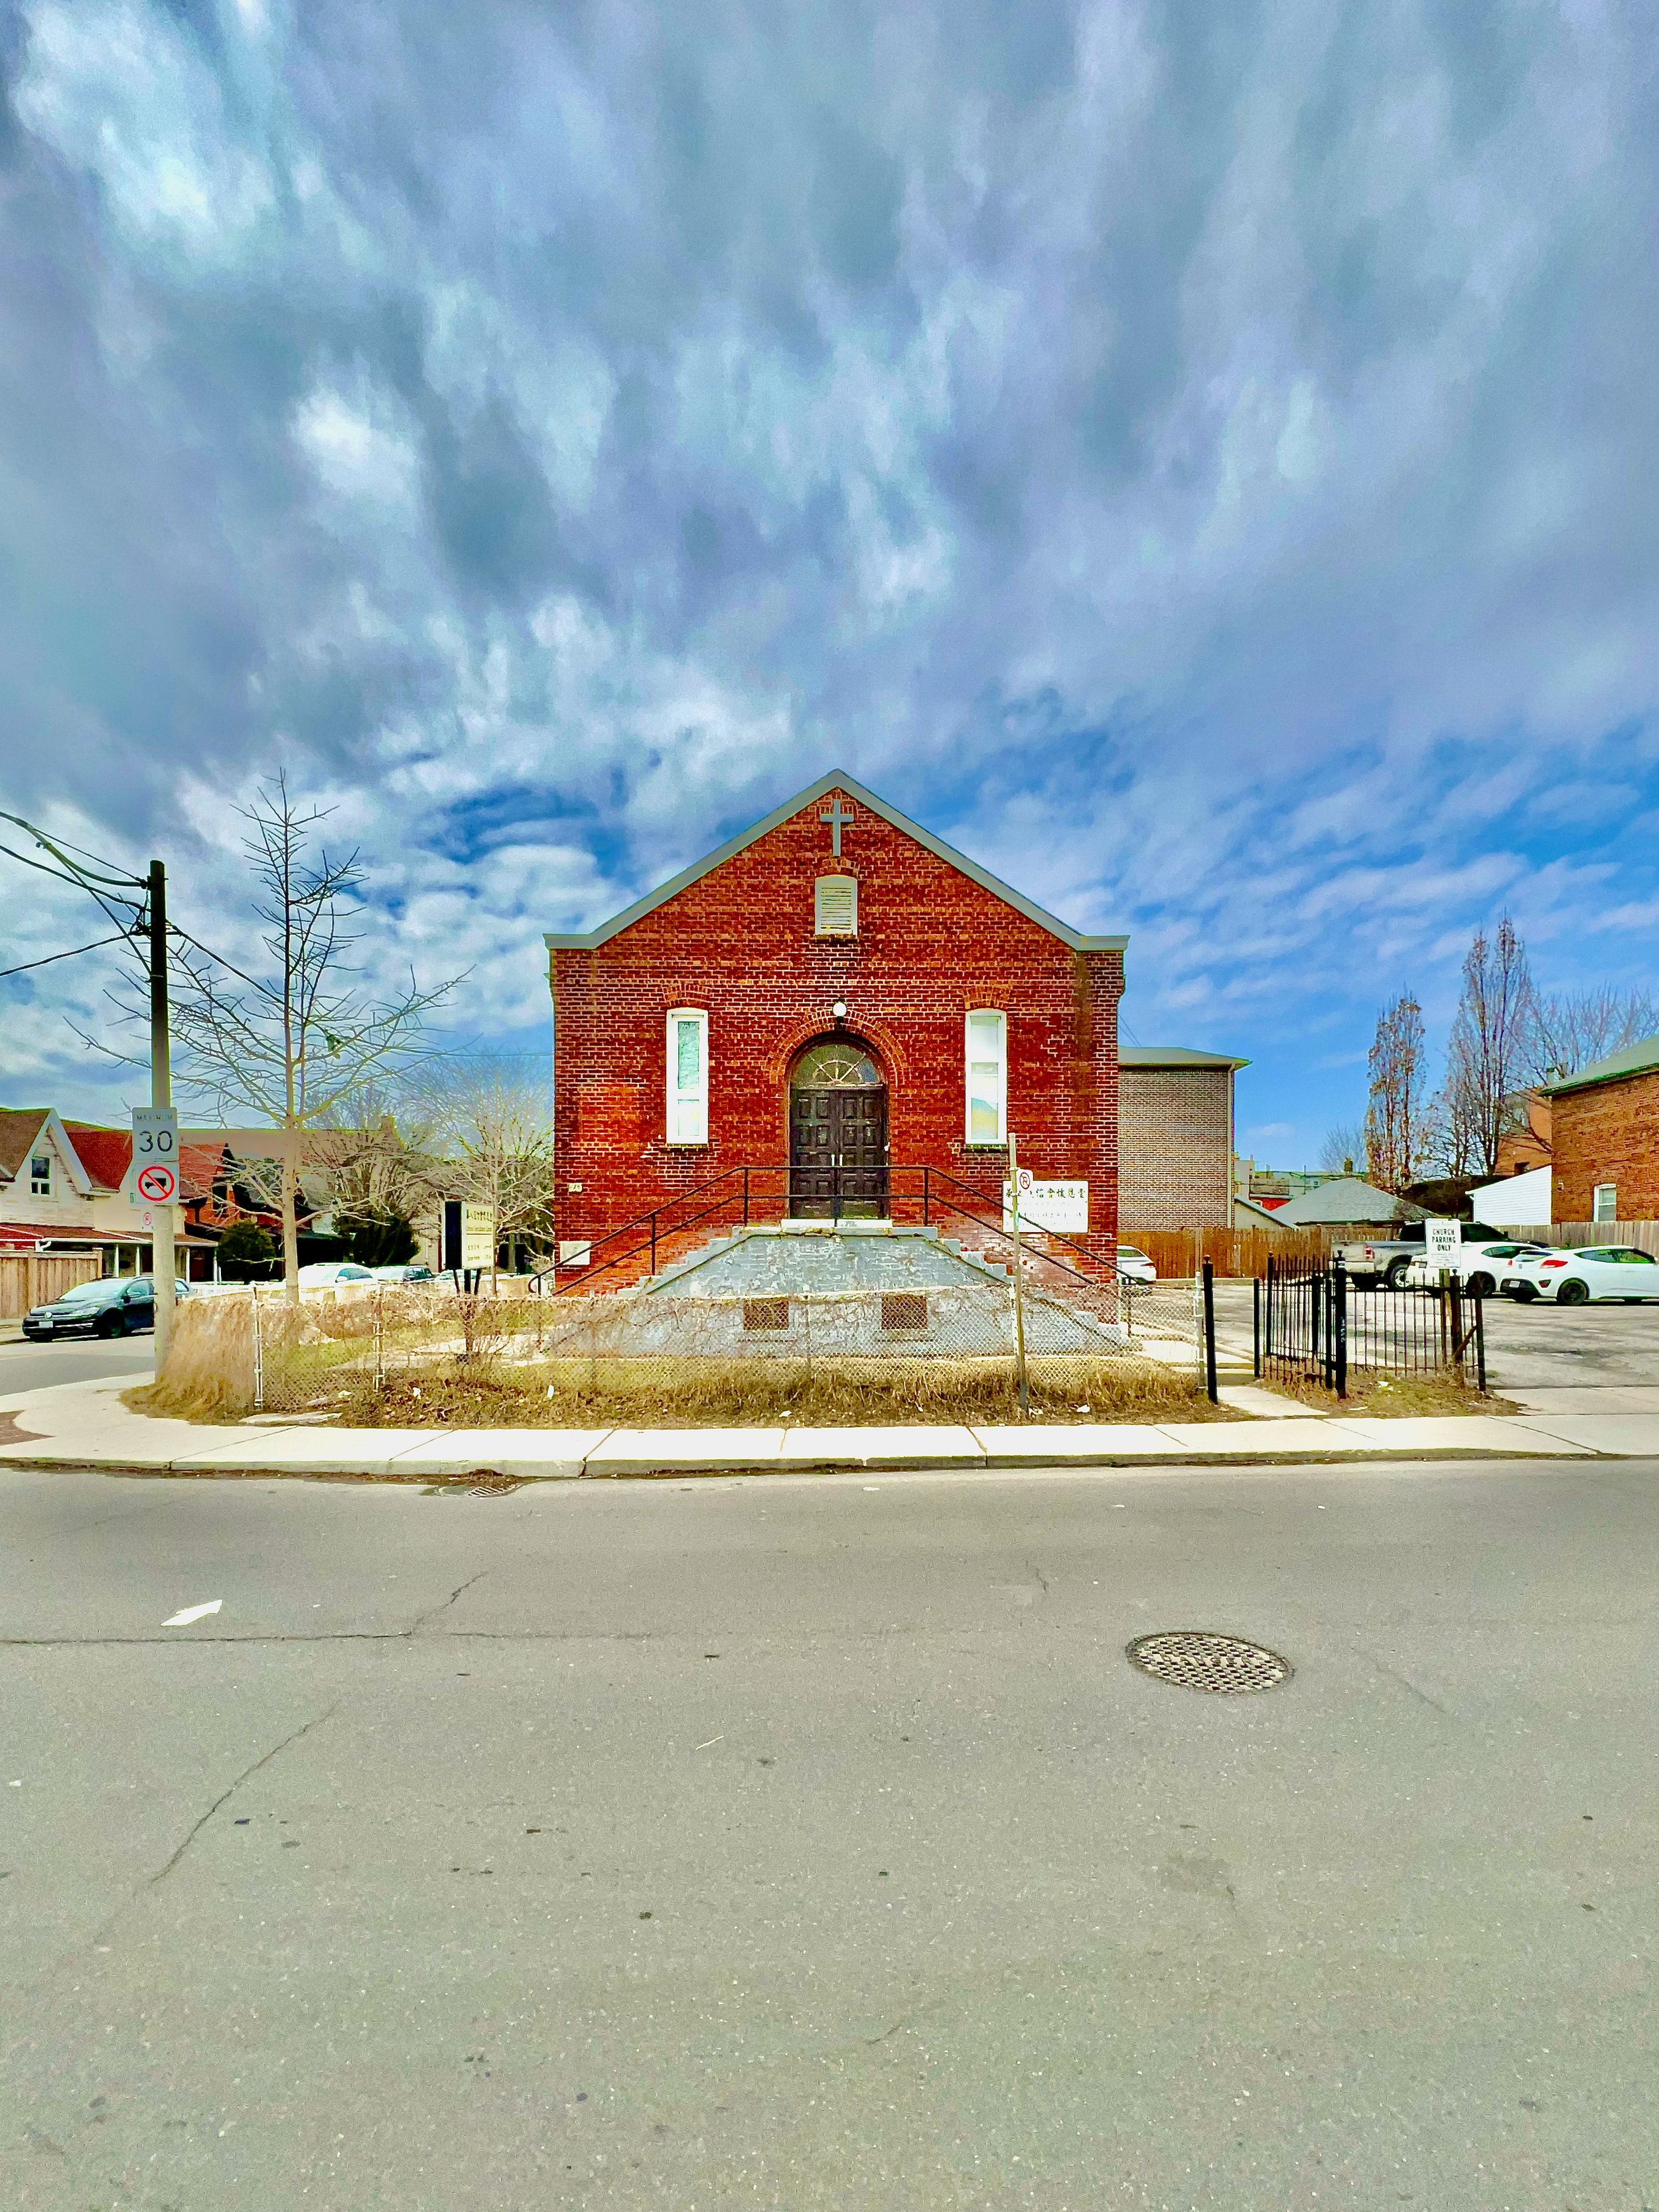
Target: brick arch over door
x,y
889,1053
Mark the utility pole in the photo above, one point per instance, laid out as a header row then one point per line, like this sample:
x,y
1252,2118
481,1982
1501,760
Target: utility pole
x,y
160,1094
1019,1297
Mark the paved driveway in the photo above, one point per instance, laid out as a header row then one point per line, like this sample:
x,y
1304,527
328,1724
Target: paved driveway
x,y
1607,1356
809,1843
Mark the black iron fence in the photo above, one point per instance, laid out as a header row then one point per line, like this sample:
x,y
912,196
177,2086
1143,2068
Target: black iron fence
x,y
1314,1324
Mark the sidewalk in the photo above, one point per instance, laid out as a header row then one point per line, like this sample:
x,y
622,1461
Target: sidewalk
x,y
84,1424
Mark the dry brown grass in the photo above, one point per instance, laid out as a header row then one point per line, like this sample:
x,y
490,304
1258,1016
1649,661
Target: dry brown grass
x,y
209,1370
1388,1396
738,1394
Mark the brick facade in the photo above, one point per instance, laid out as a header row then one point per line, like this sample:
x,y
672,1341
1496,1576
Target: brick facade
x,y
1607,1132
735,939
1175,1138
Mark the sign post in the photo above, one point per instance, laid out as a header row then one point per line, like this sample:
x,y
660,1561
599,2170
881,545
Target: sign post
x,y
156,1185
1019,1177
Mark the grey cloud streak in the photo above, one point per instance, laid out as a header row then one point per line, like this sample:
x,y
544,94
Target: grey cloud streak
x,y
1160,447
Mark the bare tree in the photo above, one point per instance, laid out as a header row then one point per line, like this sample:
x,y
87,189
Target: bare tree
x,y
1571,1029
1491,1052
493,1126
1395,1114
380,1157
294,1044
1343,1145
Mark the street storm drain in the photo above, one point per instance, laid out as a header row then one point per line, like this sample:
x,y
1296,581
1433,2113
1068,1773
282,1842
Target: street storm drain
x,y
1192,1659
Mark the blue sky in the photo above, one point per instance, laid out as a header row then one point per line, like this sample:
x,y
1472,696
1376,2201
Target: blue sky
x,y
1201,462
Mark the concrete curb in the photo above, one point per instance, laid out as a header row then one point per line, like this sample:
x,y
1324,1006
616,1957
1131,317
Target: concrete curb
x,y
83,1426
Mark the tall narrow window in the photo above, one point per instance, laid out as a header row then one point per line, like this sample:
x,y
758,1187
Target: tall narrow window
x,y
1605,1203
40,1175
688,1077
987,1078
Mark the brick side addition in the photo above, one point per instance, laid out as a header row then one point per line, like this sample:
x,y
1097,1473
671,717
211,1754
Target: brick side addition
x,y
738,943
1174,1138
1607,1134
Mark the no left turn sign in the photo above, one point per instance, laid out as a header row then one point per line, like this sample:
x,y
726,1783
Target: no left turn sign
x,y
158,1184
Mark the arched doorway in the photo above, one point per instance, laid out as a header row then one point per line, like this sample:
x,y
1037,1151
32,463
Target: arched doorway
x,y
837,1132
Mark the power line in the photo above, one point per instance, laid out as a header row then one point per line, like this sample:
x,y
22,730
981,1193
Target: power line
x,y
23,966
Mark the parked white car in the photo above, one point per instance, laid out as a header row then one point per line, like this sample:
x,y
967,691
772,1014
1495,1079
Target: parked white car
x,y
1601,1271
1481,1268
332,1275
412,1270
1134,1266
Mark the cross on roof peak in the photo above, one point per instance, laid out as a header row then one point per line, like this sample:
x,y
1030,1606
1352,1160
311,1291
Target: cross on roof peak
x,y
837,817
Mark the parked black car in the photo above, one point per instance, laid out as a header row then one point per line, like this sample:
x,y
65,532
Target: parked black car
x,y
116,1306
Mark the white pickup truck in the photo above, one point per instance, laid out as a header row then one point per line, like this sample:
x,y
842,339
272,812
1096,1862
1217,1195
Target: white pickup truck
x,y
1381,1259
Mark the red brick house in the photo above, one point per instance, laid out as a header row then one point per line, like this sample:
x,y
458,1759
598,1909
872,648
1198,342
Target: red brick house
x,y
834,1001
1605,1138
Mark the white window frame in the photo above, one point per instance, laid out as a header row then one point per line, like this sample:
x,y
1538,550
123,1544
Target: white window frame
x,y
1609,1193
687,1105
850,886
39,1183
969,1061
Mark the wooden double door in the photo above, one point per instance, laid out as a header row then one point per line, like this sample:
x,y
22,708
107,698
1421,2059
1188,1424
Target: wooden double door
x,y
838,1153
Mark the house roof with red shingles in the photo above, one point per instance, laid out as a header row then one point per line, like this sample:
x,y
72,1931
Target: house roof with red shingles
x,y
106,1155
20,1125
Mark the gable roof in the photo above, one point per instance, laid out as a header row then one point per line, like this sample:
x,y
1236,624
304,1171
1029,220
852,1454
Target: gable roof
x,y
19,1127
1173,1056
1344,1199
22,1127
585,941
105,1153
1637,1059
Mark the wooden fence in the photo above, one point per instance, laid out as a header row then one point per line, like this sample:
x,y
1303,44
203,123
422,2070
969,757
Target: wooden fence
x,y
31,1279
1645,1235
1182,1252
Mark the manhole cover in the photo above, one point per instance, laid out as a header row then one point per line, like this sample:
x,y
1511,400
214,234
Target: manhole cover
x,y
1192,1659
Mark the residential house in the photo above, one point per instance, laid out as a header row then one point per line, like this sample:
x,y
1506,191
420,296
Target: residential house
x,y
1605,1137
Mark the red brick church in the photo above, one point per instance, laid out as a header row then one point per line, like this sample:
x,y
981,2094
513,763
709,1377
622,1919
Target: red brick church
x,y
833,1014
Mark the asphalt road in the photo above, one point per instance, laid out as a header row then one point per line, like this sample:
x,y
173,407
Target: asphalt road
x,y
811,1844
25,1366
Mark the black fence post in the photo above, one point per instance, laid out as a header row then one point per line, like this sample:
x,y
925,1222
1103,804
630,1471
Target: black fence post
x,y
1320,1346
1268,1338
1209,1332
1339,1326
1480,1343
1455,1301
653,1242
1255,1325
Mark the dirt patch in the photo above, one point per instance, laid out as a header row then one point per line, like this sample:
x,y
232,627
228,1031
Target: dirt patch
x,y
1389,1396
11,1434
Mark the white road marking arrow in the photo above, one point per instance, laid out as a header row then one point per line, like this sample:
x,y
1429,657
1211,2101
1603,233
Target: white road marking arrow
x,y
192,1612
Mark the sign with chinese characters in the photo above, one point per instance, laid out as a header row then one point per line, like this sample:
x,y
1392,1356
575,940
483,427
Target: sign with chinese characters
x,y
1062,1206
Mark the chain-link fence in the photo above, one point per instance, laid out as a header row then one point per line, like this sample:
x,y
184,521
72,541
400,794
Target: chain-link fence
x,y
413,1355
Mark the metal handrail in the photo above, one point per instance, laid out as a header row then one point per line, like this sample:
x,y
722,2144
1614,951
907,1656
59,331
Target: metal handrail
x,y
653,1231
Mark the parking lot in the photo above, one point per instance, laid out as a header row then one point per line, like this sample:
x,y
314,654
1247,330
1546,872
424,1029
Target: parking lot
x,y
1604,1352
